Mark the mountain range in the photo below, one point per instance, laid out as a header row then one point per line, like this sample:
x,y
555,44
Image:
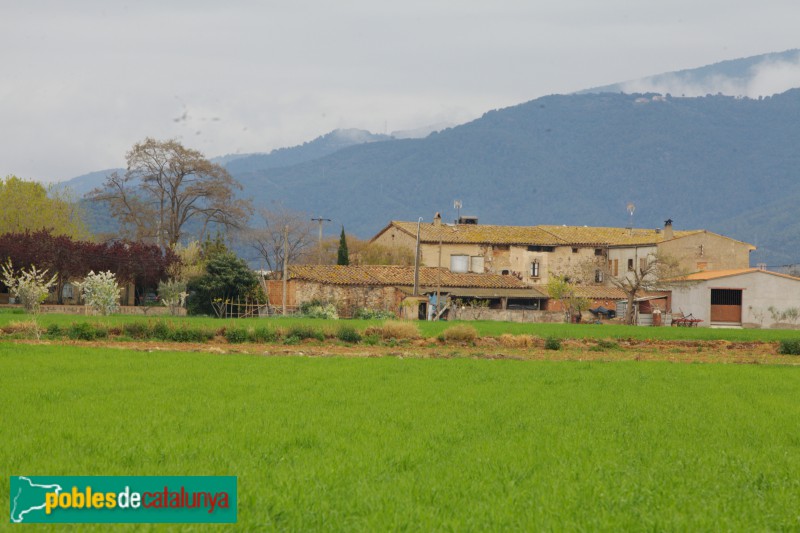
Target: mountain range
x,y
728,164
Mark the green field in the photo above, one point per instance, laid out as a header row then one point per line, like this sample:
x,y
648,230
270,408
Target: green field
x,y
433,329
419,444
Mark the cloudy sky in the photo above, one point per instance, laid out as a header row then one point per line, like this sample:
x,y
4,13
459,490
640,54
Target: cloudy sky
x,y
82,81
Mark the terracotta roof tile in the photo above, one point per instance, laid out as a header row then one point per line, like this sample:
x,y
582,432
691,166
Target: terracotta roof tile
x,y
535,235
400,276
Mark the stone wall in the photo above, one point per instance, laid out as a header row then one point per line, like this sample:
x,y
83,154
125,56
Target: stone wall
x,y
505,315
123,310
348,299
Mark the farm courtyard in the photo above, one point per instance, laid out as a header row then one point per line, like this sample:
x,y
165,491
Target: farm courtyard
x,y
619,429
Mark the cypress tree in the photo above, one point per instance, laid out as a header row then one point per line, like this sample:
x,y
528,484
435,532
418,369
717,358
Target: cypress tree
x,y
343,258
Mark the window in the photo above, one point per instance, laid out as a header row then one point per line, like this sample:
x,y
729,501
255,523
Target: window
x,y
598,276
574,250
535,269
541,248
615,267
599,252
642,264
630,265
505,272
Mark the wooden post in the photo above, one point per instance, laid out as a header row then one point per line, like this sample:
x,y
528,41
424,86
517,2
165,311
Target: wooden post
x,y
285,263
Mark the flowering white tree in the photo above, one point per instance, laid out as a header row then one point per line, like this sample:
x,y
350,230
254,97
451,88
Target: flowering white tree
x,y
173,294
31,286
100,292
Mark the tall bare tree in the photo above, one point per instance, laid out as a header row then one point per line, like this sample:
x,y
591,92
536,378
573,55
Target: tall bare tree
x,y
650,275
165,187
268,239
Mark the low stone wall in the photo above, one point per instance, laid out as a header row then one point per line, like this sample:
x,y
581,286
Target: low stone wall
x,y
506,315
123,310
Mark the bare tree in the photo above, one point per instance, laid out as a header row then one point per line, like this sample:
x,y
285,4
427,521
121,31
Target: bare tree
x,y
651,275
268,240
165,187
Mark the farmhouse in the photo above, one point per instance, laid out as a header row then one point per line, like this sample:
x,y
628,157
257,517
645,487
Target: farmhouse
x,y
391,288
747,297
585,254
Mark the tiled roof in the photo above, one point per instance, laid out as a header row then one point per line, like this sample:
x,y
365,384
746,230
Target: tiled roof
x,y
602,292
400,276
707,275
535,235
611,236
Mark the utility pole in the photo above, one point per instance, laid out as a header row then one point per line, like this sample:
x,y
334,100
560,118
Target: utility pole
x,y
416,261
320,220
285,264
438,282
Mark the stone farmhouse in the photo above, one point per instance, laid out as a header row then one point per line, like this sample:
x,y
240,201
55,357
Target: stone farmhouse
x,y
585,254
391,288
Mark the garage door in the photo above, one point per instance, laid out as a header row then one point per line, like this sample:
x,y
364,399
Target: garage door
x,y
726,305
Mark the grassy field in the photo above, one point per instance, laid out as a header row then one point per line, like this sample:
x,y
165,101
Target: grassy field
x,y
433,329
389,443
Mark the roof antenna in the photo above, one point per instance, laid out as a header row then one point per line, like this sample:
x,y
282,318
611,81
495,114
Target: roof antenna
x,y
457,206
631,207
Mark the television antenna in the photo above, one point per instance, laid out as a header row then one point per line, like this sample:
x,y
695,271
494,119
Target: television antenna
x,y
457,205
631,207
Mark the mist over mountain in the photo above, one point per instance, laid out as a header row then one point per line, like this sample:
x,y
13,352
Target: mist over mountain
x,y
728,164
761,75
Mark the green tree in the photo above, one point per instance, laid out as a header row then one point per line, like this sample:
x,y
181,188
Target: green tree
x,y
343,258
29,206
227,278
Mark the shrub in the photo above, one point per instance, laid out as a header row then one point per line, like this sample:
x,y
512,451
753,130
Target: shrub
x,y
394,329
186,334
100,292
319,309
173,294
348,334
789,347
364,313
236,336
161,331
460,333
605,344
31,287
371,340
81,331
263,334
552,343
304,331
136,330
54,331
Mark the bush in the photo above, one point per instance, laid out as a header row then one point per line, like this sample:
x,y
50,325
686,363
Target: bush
x,y
263,334
552,343
160,331
236,336
136,330
81,331
348,334
303,331
394,329
100,291
186,334
319,309
460,333
789,347
54,331
364,313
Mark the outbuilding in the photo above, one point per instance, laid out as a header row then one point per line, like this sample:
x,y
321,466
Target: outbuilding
x,y
747,297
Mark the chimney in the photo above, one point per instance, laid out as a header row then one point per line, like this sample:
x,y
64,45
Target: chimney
x,y
668,229
437,219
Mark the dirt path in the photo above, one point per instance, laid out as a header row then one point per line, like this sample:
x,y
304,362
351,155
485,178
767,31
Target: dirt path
x,y
486,348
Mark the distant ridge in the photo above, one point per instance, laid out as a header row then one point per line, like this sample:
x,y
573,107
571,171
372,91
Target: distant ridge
x,y
761,75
